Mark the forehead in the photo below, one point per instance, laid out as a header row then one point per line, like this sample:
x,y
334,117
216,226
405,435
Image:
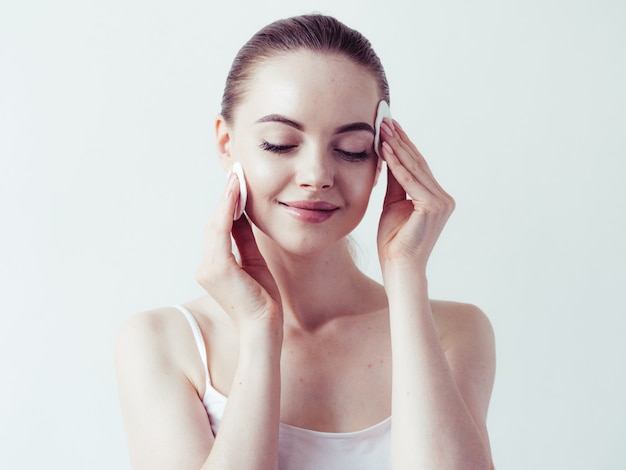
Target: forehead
x,y
311,86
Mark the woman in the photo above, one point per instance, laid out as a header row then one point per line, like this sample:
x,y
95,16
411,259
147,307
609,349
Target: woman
x,y
287,361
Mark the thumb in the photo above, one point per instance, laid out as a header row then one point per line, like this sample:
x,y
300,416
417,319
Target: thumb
x,y
395,191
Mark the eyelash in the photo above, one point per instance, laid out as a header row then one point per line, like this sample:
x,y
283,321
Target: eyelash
x,y
281,149
276,148
354,155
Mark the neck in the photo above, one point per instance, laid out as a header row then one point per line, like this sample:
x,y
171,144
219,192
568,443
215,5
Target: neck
x,y
315,288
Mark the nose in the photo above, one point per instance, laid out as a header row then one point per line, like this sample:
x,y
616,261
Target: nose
x,y
315,171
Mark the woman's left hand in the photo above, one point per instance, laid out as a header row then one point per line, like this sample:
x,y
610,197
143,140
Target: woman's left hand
x,y
409,227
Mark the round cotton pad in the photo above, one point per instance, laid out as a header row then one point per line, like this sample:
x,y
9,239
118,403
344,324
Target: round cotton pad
x,y
382,112
243,191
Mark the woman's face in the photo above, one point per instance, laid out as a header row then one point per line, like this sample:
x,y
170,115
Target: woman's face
x,y
304,135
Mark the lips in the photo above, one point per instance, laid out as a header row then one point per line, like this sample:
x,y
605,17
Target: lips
x,y
312,205
310,211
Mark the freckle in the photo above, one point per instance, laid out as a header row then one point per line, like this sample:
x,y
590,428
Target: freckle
x,y
301,380
382,361
369,366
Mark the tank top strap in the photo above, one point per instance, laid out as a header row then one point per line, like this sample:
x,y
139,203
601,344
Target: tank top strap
x,y
197,335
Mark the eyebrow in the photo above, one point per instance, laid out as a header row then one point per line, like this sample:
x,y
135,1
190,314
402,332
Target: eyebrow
x,y
355,126
282,120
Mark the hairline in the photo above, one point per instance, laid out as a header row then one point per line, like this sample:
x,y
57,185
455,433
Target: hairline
x,y
277,55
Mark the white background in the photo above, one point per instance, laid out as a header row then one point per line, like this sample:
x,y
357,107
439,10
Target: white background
x,y
108,174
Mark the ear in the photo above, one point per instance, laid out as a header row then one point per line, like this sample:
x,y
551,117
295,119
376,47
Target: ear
x,y
223,142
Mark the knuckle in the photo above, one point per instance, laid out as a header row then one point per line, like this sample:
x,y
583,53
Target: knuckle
x,y
452,204
404,179
436,206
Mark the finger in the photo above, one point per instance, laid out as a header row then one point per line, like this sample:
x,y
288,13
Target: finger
x,y
221,222
410,159
423,164
229,201
404,177
246,243
252,261
413,161
395,192
408,144
217,248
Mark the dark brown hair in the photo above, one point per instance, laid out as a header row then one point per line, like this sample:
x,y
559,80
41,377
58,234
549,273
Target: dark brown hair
x,y
316,33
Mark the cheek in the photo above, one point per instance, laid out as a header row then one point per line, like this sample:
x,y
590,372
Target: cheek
x,y
364,191
360,184
260,172
265,180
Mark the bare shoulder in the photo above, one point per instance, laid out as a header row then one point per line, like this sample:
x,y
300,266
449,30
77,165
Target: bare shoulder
x,y
160,379
468,341
150,331
461,324
160,339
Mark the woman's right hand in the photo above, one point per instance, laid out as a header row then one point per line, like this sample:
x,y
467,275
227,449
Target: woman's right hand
x,y
246,291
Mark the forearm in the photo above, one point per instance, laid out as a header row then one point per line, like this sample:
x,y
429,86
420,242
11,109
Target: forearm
x,y
248,433
432,427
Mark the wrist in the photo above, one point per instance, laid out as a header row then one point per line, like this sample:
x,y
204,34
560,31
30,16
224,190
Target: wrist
x,y
404,275
261,334
407,291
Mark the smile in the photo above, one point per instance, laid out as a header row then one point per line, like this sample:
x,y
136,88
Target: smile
x,y
310,211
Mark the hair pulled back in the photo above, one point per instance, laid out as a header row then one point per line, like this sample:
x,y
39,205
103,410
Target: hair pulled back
x,y
316,33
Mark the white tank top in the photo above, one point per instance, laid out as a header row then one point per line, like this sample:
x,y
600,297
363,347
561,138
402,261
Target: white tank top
x,y
305,449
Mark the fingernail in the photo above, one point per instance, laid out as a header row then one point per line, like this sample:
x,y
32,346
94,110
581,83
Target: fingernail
x,y
393,126
387,147
395,123
386,129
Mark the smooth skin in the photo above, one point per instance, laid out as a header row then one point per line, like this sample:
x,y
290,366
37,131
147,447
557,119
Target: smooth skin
x,y
295,333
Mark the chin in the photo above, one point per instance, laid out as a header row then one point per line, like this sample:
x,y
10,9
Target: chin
x,y
298,241
303,238
307,245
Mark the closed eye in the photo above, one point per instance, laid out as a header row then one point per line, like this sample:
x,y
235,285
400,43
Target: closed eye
x,y
276,148
353,155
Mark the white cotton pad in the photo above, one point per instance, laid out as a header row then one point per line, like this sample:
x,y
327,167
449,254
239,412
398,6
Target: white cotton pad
x,y
382,113
243,190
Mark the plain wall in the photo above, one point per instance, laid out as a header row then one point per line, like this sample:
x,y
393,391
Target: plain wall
x,y
108,175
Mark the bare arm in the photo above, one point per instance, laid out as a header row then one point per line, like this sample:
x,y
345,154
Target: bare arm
x,y
439,398
166,423
440,394
248,434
